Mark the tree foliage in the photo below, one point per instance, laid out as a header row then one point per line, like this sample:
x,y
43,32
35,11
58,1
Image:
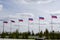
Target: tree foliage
x,y
25,35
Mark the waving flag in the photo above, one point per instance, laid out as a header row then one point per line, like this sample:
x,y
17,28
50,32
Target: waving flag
x,y
30,19
5,22
54,16
13,21
41,18
20,20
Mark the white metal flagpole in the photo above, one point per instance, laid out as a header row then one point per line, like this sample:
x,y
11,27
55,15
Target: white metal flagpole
x,y
51,24
3,29
28,28
39,25
10,26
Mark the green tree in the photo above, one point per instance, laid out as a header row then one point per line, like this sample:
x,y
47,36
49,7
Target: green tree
x,y
3,35
29,33
40,34
17,34
25,35
46,33
32,33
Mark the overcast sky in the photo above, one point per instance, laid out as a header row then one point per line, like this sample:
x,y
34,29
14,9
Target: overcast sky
x,y
32,8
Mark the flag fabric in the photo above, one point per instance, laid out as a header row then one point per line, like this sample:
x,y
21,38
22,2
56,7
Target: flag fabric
x,y
41,18
20,20
30,19
13,21
54,16
5,22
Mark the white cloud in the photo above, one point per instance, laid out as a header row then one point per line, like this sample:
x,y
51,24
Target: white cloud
x,y
20,1
33,1
25,14
53,11
20,15
58,11
47,1
38,1
1,7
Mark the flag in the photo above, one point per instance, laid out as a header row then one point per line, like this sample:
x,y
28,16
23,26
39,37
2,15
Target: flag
x,y
5,22
30,19
20,20
54,16
41,18
13,21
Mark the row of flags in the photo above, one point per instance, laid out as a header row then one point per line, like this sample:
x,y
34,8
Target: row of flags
x,y
30,19
7,22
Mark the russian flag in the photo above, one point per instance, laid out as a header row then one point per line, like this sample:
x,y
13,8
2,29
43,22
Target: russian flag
x,y
41,18
20,20
30,19
13,21
54,16
5,22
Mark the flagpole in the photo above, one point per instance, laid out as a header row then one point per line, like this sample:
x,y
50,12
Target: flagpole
x,y
30,19
19,27
51,24
11,24
40,18
20,20
28,25
10,27
39,25
3,27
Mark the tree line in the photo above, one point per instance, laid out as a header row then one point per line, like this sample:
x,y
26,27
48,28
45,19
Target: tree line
x,y
25,35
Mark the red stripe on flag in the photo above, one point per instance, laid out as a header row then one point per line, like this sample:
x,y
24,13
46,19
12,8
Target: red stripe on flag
x,y
54,16
5,22
13,21
41,18
20,20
